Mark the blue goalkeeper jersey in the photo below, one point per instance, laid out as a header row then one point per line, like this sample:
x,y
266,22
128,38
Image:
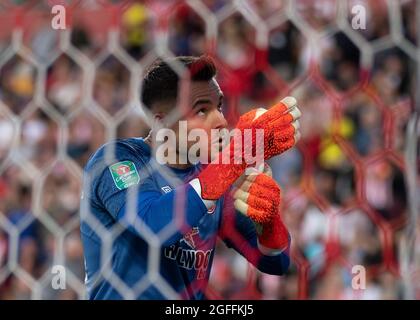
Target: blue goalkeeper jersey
x,y
147,234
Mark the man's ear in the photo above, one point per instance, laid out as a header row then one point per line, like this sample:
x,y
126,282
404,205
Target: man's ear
x,y
158,120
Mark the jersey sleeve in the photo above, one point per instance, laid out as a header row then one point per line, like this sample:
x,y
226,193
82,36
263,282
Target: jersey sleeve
x,y
180,210
108,181
129,176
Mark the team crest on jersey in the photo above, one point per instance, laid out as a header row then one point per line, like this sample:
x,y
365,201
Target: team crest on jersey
x,y
191,237
212,209
124,174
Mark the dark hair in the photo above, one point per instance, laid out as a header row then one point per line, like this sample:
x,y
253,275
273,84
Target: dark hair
x,y
161,81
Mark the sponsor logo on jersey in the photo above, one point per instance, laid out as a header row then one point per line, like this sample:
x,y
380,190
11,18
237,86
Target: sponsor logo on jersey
x,y
190,259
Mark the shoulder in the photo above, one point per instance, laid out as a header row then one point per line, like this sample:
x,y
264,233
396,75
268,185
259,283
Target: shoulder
x,y
112,169
121,161
132,149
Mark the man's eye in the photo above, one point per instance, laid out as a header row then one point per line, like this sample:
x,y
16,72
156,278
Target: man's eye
x,y
220,107
201,112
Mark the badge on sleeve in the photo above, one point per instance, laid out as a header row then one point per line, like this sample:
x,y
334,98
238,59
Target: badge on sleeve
x,y
124,174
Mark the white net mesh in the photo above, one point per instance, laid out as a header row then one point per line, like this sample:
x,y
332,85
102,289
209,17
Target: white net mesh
x,y
350,186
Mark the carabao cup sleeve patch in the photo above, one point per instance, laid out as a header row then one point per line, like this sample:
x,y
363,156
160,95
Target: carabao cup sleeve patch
x,y
124,174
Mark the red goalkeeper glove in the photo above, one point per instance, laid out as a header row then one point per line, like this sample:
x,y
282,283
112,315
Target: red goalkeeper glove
x,y
259,198
280,125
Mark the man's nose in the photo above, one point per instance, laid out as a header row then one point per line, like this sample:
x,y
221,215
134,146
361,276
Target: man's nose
x,y
219,121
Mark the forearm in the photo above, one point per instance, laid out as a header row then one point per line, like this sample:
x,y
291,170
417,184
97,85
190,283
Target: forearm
x,y
275,265
239,233
275,261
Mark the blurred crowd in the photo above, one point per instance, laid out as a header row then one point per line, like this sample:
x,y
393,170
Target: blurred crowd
x,y
342,196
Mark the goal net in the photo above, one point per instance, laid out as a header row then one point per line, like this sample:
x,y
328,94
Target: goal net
x,y
70,83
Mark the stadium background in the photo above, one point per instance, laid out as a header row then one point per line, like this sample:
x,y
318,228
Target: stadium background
x,y
63,93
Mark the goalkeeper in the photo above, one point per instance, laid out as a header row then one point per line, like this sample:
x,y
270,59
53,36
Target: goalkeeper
x,y
246,217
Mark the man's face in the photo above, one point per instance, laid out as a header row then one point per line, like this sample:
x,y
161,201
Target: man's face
x,y
204,113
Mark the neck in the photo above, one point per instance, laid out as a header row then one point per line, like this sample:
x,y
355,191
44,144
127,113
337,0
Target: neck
x,y
150,141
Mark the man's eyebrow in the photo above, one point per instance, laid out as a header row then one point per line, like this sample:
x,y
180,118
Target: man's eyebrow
x,y
201,101
206,101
